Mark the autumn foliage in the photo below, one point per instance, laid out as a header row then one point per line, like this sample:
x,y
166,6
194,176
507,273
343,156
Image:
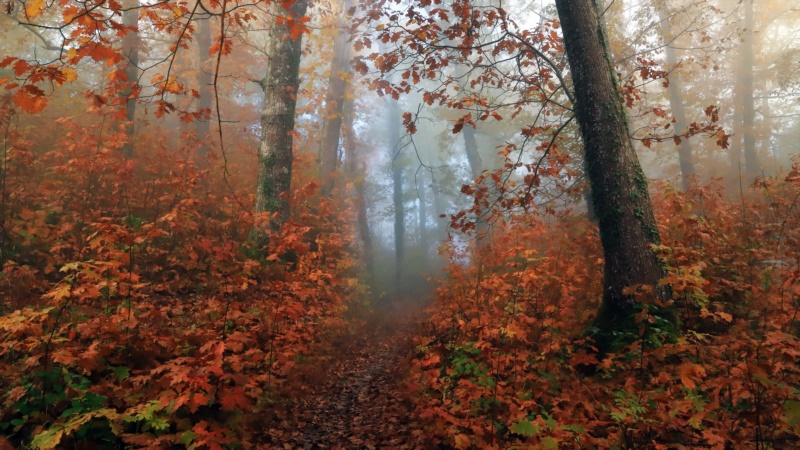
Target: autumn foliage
x,y
138,309
505,361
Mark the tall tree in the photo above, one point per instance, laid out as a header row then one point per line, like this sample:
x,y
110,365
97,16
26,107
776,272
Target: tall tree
x,y
357,173
476,167
397,192
675,93
130,50
422,215
277,119
619,188
334,100
746,87
205,81
471,148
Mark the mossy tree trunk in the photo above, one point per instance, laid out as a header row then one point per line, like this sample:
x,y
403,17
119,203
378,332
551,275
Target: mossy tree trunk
x,y
619,189
280,86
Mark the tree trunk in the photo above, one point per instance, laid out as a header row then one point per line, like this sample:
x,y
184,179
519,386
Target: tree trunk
x,y
439,208
619,188
471,147
675,92
357,173
423,217
277,120
205,81
752,166
130,49
476,167
393,124
334,103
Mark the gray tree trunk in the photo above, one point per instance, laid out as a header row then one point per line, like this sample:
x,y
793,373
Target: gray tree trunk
x,y
675,91
422,216
471,148
280,86
334,103
746,60
476,167
394,121
130,49
205,81
357,173
619,188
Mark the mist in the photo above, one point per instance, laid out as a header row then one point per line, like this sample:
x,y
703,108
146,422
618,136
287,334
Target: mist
x,y
221,221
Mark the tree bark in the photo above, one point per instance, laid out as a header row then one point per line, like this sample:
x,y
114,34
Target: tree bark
x,y
130,48
280,86
205,81
619,188
675,92
334,103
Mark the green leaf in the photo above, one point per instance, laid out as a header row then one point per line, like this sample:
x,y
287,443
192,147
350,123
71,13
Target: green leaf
x,y
792,408
187,437
121,372
549,442
524,427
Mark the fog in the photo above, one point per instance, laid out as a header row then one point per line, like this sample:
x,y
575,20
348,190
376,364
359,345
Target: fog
x,y
421,101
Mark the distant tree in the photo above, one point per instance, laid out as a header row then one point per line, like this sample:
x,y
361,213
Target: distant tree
x,y
746,88
130,53
334,100
205,80
675,92
393,123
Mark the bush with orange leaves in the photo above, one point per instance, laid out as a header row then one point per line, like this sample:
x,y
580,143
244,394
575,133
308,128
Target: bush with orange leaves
x,y
506,361
137,311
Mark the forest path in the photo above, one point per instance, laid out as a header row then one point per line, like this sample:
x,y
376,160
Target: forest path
x,y
355,397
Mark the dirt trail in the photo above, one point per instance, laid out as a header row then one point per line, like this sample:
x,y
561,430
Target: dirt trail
x,y
359,403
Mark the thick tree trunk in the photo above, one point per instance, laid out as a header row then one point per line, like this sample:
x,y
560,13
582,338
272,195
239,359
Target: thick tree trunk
x,y
277,120
675,92
205,81
746,59
334,103
619,188
130,49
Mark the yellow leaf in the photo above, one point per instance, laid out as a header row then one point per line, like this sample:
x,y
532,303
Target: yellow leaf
x,y
34,7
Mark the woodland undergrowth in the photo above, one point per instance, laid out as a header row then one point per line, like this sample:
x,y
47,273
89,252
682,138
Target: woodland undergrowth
x,y
138,310
505,361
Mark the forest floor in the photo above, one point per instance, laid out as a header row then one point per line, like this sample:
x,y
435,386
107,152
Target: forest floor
x,y
352,394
